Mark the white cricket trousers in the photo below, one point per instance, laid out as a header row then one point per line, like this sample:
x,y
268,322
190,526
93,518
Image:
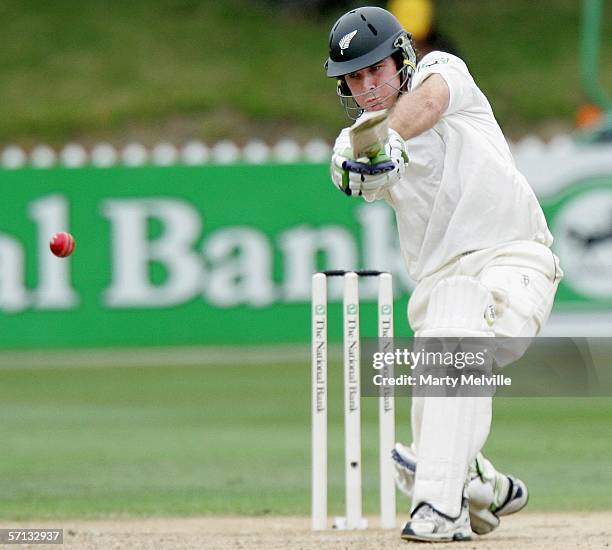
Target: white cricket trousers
x,y
448,432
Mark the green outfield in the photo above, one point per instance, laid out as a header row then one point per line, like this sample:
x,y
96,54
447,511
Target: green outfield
x,y
190,440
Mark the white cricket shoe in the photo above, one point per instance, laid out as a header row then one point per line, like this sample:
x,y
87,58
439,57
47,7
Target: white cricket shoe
x,y
484,520
517,498
491,495
428,525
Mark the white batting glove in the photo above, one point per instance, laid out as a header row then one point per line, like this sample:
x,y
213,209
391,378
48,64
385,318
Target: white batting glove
x,y
339,174
373,185
360,177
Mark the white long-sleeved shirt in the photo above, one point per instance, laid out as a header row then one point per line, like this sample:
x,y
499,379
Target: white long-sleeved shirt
x,y
461,191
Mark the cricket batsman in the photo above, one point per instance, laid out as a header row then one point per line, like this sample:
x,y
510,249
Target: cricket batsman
x,y
472,235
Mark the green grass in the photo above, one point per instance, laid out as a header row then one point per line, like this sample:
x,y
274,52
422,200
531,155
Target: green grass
x,y
88,442
152,69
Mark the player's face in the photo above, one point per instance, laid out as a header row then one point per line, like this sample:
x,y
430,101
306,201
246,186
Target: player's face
x,y
376,87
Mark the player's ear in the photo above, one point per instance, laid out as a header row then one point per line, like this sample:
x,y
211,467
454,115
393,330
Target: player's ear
x,y
398,58
342,87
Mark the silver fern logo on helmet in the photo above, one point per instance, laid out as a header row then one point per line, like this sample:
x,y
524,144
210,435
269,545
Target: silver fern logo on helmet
x,y
345,41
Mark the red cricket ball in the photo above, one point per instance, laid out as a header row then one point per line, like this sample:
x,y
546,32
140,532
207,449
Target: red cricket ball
x,y
62,244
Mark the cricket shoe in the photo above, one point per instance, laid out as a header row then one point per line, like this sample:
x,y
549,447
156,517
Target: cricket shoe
x,y
517,498
490,493
429,525
485,519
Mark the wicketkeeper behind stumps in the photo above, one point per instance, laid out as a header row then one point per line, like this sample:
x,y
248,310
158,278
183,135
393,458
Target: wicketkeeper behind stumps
x,y
472,235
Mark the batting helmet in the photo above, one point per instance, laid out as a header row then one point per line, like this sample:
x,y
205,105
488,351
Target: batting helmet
x,y
363,37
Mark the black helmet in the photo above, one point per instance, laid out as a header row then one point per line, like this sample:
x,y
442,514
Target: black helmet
x,y
365,36
361,38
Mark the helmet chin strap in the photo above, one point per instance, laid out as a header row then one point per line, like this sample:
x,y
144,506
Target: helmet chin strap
x,y
349,101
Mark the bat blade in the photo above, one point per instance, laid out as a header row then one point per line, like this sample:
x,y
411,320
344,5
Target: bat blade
x,y
369,134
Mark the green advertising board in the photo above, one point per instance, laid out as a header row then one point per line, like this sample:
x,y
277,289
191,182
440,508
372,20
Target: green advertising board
x,y
179,255
200,255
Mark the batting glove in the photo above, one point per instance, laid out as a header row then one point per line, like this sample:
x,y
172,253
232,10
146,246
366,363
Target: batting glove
x,y
369,177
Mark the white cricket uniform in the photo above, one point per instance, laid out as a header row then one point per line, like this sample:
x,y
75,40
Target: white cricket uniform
x,y
461,196
461,191
464,210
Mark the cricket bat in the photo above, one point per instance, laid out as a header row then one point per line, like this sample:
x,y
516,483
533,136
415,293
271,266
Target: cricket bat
x,y
368,136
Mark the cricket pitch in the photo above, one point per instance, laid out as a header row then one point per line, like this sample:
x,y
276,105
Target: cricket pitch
x,y
587,530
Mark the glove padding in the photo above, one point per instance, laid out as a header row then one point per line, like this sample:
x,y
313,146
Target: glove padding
x,y
369,177
367,168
